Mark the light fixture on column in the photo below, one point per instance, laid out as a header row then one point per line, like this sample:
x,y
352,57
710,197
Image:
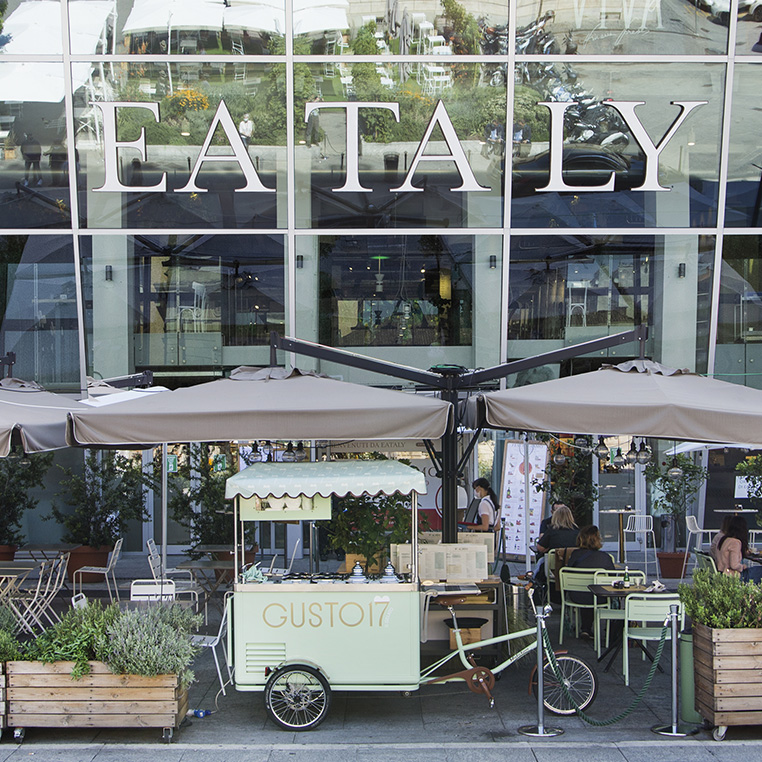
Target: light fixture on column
x,y
492,262
108,272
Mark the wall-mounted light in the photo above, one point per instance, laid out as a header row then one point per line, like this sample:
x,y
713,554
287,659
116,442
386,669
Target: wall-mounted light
x,y
492,262
299,261
109,272
681,270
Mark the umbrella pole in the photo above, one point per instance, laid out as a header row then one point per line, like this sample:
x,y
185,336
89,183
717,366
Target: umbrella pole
x,y
164,508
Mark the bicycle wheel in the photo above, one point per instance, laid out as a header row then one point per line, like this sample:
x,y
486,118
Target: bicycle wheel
x,y
297,697
579,679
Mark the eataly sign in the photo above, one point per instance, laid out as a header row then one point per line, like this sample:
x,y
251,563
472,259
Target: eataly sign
x,y
352,183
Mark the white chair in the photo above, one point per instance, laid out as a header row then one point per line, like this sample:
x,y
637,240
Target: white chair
x,y
170,572
79,601
152,590
641,524
212,641
281,572
644,616
694,530
181,587
106,571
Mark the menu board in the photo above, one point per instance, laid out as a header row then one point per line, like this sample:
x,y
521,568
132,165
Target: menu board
x,y
513,500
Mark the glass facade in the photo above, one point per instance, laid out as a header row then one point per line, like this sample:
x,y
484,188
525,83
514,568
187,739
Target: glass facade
x,y
447,182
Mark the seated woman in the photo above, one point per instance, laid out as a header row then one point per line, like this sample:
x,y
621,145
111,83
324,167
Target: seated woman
x,y
562,534
588,555
731,550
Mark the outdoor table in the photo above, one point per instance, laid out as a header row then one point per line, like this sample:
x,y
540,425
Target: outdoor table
x,y
48,551
621,514
620,593
205,572
735,511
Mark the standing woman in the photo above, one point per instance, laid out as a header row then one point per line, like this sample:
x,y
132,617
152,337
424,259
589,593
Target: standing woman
x,y
489,507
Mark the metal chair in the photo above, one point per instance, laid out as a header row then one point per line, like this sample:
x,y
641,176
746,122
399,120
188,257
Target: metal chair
x,y
648,612
180,587
574,581
641,524
694,530
106,571
604,612
705,561
282,572
212,641
152,590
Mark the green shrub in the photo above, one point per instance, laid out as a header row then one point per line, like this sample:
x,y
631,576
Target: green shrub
x,y
722,601
7,620
10,648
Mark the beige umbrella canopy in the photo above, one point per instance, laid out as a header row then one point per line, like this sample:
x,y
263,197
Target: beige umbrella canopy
x,y
264,404
637,398
38,416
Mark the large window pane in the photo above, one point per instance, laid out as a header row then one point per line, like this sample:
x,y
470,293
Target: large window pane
x,y
749,27
570,289
39,309
600,139
235,182
181,304
629,27
384,178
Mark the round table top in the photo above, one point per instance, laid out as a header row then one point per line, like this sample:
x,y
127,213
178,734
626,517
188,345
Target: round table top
x,y
735,510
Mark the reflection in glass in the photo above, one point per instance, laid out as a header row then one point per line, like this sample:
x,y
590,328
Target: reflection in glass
x,y
198,27
575,288
199,104
739,328
748,30
396,291
39,309
630,27
336,27
744,188
601,141
388,176
191,301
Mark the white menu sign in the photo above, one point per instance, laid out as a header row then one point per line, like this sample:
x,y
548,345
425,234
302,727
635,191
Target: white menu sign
x,y
512,497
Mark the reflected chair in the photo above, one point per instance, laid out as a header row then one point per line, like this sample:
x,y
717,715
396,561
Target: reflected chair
x,y
108,571
641,524
644,617
694,530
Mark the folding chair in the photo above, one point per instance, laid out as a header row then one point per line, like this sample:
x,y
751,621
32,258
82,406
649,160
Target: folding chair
x,y
212,641
644,616
27,605
106,571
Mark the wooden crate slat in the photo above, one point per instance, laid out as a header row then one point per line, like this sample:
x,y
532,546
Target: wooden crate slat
x,y
55,667
737,634
103,693
24,720
737,689
95,707
750,663
92,681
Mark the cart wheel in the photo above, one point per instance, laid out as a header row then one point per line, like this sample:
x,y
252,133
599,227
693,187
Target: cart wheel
x,y
719,732
579,679
18,734
297,697
166,735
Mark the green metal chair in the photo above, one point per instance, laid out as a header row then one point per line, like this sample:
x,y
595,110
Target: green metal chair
x,y
604,612
644,616
705,561
574,581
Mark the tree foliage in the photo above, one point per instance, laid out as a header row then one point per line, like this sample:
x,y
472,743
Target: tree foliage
x,y
673,496
17,481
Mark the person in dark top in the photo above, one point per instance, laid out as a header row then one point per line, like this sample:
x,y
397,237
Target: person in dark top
x,y
588,555
561,534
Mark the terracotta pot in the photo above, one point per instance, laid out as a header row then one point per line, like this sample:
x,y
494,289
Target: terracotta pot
x,y
7,552
671,564
85,555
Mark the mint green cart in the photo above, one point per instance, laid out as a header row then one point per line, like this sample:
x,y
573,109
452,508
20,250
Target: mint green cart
x,y
296,641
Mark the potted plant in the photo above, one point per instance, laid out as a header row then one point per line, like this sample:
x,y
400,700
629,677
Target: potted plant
x,y
751,469
197,498
727,648
139,659
674,484
109,492
18,477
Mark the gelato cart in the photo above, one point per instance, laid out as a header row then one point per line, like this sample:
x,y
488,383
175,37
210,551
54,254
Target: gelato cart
x,y
299,637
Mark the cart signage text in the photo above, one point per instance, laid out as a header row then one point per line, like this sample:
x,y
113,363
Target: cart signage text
x,y
317,614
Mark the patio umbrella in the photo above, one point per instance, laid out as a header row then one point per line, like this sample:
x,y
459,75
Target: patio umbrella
x,y
264,404
37,415
638,398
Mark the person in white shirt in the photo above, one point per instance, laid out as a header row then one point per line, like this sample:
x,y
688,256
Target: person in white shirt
x,y
245,129
489,508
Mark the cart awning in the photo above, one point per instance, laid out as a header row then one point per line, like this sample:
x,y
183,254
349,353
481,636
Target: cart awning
x,y
340,478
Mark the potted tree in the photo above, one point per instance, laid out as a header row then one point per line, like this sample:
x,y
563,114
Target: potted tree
x,y
109,492
751,469
727,648
674,484
18,477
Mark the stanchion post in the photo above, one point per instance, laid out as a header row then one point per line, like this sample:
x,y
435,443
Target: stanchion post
x,y
539,730
675,729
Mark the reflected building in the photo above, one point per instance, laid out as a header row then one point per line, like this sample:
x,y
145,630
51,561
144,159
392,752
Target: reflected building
x,y
389,192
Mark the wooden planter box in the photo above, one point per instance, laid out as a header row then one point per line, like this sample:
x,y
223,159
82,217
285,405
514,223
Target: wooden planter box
x,y
727,665
45,695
